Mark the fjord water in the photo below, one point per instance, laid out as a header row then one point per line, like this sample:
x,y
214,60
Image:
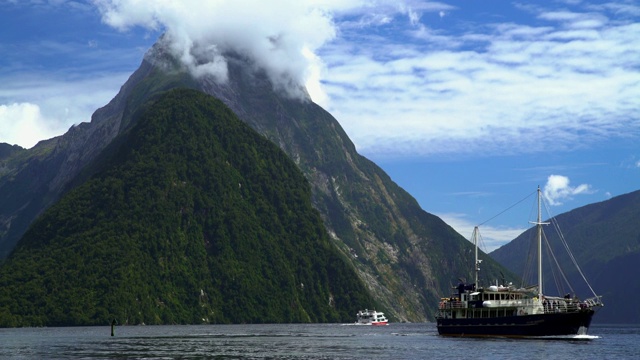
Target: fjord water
x,y
302,341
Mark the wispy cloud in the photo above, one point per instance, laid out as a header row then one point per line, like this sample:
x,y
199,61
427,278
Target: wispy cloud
x,y
504,88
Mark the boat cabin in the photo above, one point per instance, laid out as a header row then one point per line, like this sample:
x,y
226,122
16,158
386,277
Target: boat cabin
x,y
500,301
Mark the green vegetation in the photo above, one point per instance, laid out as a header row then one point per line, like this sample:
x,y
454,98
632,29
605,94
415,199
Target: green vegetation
x,y
192,218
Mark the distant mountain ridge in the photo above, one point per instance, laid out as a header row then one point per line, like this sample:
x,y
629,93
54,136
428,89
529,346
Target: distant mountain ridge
x,y
605,239
407,257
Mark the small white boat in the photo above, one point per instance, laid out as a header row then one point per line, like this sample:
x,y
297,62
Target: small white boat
x,y
371,317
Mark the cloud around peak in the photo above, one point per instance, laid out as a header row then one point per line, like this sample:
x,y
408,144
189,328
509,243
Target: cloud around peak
x,y
278,36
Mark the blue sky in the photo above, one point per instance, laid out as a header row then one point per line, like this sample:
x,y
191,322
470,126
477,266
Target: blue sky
x,y
468,105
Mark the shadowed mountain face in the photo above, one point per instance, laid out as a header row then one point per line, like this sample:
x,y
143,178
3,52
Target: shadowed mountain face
x,y
407,257
605,240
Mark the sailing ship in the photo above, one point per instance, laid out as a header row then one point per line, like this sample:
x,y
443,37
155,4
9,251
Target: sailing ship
x,y
507,311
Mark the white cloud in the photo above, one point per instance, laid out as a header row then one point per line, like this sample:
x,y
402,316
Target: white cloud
x,y
34,108
503,89
558,189
278,36
23,124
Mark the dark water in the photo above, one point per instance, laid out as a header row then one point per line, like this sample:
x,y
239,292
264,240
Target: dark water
x,y
317,341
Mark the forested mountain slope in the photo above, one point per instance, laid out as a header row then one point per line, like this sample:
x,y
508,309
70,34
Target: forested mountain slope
x,y
189,217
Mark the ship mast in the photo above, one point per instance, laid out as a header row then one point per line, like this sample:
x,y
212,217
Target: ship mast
x,y
539,246
477,262
539,224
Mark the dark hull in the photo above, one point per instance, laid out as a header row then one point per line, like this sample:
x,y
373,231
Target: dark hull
x,y
547,325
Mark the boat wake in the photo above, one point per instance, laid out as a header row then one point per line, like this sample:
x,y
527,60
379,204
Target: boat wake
x,y
566,337
585,337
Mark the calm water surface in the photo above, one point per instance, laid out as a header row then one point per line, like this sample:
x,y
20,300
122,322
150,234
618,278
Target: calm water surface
x,y
316,341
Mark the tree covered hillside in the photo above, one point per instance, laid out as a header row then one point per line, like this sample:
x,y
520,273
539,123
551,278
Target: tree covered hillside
x,y
192,217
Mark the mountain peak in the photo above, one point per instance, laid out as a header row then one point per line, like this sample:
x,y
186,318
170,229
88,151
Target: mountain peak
x,y
217,70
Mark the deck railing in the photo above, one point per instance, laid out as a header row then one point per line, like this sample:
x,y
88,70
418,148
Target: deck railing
x,y
526,306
